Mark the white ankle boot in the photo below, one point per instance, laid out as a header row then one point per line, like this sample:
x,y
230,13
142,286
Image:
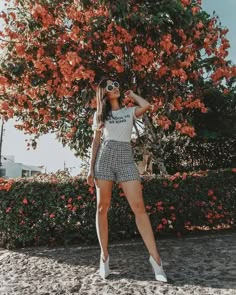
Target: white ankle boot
x,y
158,270
104,269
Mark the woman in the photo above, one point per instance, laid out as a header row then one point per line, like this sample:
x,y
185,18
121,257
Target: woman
x,y
112,161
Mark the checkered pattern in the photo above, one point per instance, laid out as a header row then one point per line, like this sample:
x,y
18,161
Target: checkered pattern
x,y
115,161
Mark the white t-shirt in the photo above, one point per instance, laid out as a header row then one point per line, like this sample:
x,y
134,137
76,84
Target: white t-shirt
x,y
119,127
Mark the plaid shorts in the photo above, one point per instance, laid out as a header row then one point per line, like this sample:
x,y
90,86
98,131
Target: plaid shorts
x,y
115,161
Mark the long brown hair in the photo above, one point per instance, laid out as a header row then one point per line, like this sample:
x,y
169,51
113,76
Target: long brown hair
x,y
103,104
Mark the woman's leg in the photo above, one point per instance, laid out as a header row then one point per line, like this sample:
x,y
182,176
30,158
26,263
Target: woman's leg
x,y
133,191
104,191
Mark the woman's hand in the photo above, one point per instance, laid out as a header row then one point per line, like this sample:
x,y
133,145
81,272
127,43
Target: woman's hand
x,y
143,104
130,94
90,178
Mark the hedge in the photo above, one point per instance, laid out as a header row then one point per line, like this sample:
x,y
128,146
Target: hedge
x,y
57,209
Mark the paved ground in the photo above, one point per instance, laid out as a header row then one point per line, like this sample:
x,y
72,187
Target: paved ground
x,y
194,265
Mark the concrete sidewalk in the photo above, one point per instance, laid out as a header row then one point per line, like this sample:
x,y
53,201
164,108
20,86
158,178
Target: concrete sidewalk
x,y
203,264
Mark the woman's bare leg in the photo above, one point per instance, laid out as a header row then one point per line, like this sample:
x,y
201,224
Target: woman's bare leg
x,y
104,191
133,191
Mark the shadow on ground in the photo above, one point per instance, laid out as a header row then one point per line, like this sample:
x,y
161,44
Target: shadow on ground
x,y
200,264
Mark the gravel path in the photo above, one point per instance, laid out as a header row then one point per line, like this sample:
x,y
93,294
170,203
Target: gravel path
x,y
195,265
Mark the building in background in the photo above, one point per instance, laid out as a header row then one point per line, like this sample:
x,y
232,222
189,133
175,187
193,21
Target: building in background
x,y
10,169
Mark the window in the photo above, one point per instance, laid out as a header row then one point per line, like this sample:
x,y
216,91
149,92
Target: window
x,y
25,173
35,172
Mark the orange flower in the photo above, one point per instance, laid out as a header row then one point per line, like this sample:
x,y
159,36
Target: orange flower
x,y
73,58
178,126
41,13
20,49
74,34
164,122
177,103
167,44
113,63
4,105
118,51
190,131
162,71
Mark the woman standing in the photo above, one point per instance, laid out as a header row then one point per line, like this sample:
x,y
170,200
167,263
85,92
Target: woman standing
x,y
112,161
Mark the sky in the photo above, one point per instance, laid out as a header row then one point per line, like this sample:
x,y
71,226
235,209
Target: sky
x,y
50,153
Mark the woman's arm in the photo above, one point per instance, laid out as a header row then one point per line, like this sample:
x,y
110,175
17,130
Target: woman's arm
x,y
95,146
143,104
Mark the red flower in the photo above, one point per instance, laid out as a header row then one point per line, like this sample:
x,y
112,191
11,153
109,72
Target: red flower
x,y
8,209
160,226
69,206
25,201
187,223
52,215
164,221
195,9
91,190
179,235
210,192
176,185
184,176
79,198
233,169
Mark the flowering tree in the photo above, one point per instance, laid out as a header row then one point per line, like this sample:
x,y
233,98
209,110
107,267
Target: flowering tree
x,y
54,53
